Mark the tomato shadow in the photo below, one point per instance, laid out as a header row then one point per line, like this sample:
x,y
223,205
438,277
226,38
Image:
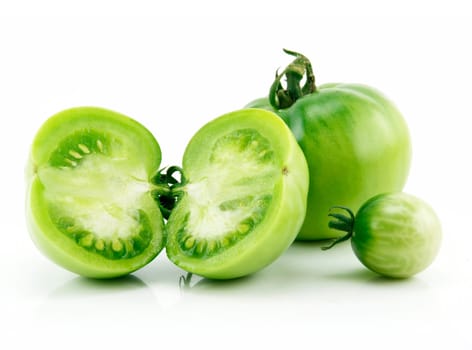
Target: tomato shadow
x,y
190,283
363,276
83,286
297,267
304,266
86,299
353,274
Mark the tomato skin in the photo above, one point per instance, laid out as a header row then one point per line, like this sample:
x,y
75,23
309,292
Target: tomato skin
x,y
396,235
356,143
280,225
44,231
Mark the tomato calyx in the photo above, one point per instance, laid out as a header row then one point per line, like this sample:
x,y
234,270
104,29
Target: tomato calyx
x,y
341,222
168,189
280,97
185,280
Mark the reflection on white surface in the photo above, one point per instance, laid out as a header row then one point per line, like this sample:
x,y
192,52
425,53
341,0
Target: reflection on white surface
x,y
307,295
79,298
310,282
304,278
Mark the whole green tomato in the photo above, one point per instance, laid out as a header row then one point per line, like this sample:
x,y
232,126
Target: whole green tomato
x,y
394,234
355,140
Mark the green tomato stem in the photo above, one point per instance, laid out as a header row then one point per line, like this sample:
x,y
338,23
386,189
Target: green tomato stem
x,y
184,281
280,97
343,223
167,189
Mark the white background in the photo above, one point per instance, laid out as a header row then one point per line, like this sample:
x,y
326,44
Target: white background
x,y
174,74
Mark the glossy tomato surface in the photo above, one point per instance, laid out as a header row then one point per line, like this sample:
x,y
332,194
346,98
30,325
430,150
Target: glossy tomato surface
x,y
356,143
89,203
245,195
396,235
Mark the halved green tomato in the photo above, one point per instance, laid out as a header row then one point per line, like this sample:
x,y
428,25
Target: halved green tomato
x,y
244,199
89,202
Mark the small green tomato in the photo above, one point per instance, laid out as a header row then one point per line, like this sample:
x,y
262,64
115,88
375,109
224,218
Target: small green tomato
x,y
394,234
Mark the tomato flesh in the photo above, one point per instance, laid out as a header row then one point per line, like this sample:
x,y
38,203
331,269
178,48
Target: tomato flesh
x,y
245,198
89,205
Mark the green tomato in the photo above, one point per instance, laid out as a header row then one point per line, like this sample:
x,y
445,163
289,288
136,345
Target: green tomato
x,y
90,206
243,198
394,234
355,140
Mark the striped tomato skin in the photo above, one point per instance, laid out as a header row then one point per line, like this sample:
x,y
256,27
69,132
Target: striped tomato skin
x,y
396,235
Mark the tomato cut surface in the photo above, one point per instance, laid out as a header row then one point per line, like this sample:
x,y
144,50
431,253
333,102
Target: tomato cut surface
x,y
245,196
89,203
